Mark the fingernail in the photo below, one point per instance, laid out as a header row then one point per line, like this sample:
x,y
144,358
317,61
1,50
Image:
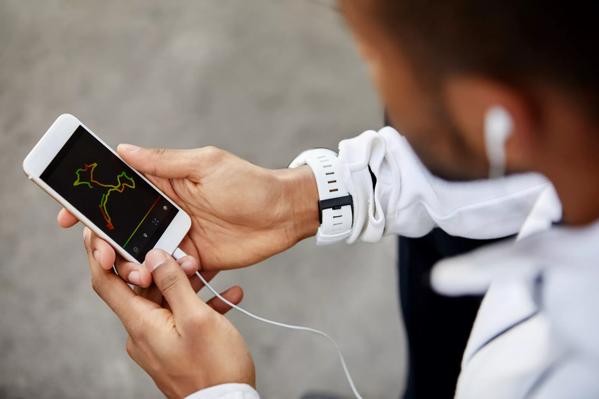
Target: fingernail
x,y
127,147
155,258
97,255
87,239
135,277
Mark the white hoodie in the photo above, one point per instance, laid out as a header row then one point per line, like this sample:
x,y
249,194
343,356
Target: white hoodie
x,y
536,333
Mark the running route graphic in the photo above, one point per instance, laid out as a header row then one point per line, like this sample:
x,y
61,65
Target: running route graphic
x,y
85,177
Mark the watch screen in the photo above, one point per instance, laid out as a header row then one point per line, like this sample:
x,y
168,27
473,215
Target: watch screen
x,y
109,193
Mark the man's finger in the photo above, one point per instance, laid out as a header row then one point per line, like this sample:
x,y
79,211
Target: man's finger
x,y
101,251
174,285
160,162
116,293
198,284
66,219
233,295
189,264
133,273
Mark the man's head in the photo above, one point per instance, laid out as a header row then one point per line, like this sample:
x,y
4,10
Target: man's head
x,y
440,66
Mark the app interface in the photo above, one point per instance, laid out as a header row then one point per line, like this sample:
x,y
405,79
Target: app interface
x,y
109,193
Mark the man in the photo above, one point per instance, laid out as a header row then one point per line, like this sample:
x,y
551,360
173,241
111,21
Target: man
x,y
476,88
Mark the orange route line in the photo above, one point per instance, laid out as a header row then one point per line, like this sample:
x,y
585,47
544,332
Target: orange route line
x,y
91,182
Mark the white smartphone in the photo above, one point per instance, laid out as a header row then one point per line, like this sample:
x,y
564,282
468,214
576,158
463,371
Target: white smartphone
x,y
89,179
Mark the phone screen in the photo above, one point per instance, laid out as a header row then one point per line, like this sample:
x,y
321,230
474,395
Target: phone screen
x,y
109,193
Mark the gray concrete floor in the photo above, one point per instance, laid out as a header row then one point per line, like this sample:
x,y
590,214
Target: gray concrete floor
x,y
264,79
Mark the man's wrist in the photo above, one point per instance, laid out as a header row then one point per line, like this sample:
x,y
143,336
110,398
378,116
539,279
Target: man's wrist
x,y
301,196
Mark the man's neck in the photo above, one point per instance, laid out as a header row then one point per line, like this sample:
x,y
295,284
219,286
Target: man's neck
x,y
578,190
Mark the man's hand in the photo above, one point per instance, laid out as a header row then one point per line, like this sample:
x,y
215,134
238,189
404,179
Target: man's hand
x,y
183,343
241,213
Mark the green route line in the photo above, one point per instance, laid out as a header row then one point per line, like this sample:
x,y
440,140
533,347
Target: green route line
x,y
142,220
85,177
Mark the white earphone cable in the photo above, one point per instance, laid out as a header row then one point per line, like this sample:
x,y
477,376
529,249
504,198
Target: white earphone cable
x,y
179,254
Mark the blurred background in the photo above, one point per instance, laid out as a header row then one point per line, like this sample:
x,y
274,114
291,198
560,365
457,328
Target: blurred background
x,y
264,79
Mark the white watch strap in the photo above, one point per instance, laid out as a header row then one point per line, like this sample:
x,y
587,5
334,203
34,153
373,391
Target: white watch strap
x,y
335,201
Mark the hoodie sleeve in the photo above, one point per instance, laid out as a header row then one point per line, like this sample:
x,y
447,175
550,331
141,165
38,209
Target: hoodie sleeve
x,y
410,201
226,391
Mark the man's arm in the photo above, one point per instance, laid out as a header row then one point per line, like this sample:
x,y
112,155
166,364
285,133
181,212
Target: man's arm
x,y
243,213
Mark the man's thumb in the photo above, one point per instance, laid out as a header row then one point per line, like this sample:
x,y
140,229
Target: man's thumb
x,y
159,161
173,284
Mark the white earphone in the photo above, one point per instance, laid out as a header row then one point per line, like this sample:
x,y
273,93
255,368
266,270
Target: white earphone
x,y
498,127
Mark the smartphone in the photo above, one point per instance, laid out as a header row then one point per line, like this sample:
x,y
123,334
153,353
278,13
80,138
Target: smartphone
x,y
90,180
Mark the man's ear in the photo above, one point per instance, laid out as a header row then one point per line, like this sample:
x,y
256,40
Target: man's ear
x,y
468,99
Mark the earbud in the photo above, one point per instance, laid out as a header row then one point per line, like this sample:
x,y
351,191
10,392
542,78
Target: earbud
x,y
498,127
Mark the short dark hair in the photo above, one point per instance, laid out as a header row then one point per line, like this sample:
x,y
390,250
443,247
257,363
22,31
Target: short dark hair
x,y
519,41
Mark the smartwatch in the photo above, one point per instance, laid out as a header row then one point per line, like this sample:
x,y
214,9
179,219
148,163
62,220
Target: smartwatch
x,y
335,203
